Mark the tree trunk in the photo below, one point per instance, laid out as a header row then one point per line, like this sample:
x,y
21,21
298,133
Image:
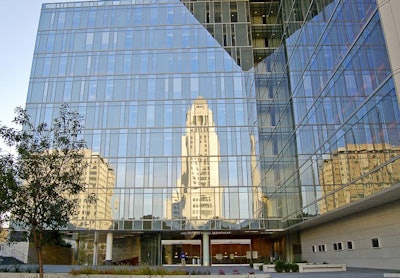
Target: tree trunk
x,y
38,246
40,261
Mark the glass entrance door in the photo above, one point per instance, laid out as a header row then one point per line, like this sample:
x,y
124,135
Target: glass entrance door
x,y
230,251
186,252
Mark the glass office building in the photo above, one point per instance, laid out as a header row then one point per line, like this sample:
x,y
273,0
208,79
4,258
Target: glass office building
x,y
218,127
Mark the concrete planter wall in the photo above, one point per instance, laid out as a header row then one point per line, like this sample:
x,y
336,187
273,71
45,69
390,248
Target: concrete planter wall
x,y
269,268
321,267
66,275
257,266
391,275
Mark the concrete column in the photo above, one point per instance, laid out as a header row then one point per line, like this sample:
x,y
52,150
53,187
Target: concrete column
x,y
95,248
206,249
390,22
76,251
109,246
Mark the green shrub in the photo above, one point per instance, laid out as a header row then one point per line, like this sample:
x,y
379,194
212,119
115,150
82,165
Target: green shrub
x,y
15,268
145,270
280,266
287,267
5,269
294,267
32,270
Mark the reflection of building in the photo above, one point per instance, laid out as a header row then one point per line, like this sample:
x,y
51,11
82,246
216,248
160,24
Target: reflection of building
x,y
355,172
173,206
256,181
100,179
200,194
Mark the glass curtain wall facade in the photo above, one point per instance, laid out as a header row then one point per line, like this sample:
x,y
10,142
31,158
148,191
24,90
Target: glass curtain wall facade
x,y
327,110
345,110
225,118
165,106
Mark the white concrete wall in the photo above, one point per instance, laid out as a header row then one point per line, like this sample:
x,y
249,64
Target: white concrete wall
x,y
381,222
390,20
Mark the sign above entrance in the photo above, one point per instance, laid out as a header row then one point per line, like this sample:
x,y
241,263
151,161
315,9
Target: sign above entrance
x,y
230,241
220,232
183,241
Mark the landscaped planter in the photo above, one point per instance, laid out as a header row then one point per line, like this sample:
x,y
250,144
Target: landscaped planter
x,y
67,275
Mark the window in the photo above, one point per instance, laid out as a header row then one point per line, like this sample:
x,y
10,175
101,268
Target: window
x,y
375,242
314,248
350,245
322,248
337,246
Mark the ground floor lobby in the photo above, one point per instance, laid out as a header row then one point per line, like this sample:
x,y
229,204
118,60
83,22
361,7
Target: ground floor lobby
x,y
194,248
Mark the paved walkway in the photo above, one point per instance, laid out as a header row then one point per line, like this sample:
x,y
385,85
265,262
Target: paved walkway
x,y
229,269
350,273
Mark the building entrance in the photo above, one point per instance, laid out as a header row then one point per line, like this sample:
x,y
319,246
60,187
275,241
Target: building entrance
x,y
186,252
231,251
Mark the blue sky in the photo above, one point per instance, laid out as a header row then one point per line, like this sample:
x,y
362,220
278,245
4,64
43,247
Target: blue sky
x,y
18,25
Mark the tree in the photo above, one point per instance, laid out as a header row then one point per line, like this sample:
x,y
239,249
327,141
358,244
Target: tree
x,y
41,182
7,186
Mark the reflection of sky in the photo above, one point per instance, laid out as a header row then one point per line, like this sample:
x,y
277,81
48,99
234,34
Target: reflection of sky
x,y
357,70
325,98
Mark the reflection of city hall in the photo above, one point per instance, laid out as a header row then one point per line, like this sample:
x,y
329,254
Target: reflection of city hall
x,y
200,197
229,131
199,194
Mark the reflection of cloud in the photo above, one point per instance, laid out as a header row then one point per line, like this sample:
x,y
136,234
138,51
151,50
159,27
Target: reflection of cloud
x,y
100,180
199,195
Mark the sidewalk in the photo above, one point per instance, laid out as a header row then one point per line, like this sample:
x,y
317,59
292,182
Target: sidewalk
x,y
229,269
350,273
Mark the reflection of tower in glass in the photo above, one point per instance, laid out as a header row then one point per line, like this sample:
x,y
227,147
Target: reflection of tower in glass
x,y
100,179
199,190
